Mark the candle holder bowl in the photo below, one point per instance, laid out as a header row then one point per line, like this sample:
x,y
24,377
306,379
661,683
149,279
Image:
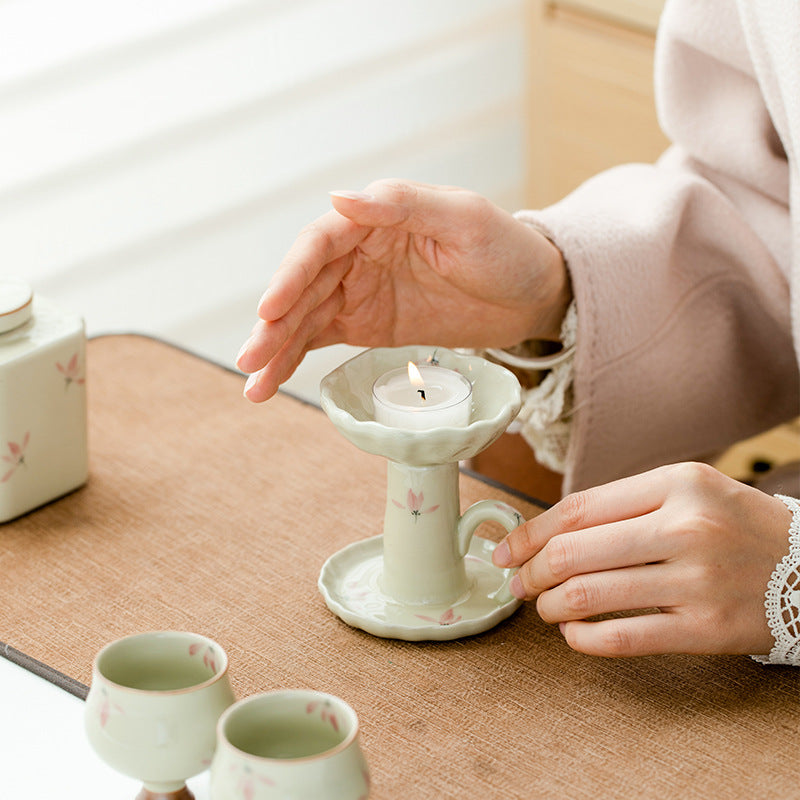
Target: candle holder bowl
x,y
426,577
346,397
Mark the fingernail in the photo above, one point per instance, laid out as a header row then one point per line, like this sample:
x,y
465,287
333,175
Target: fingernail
x,y
264,297
348,194
502,555
516,588
562,626
245,347
251,381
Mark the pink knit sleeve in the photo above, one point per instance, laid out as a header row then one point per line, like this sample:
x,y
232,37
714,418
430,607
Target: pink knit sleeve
x,y
679,270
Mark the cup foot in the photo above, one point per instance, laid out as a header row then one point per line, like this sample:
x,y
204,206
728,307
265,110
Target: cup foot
x,y
181,794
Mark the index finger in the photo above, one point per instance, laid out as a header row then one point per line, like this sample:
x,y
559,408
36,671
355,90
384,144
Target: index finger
x,y
612,502
327,238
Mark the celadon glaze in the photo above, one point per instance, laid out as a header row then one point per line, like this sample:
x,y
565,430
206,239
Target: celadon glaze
x,y
292,743
153,706
425,540
346,397
427,584
421,518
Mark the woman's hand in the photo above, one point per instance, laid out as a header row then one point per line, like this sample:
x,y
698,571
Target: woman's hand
x,y
406,263
684,539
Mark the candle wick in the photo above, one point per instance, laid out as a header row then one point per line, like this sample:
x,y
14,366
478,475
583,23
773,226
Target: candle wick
x,y
422,392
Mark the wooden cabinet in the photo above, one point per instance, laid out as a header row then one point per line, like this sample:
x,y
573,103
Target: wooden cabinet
x,y
590,103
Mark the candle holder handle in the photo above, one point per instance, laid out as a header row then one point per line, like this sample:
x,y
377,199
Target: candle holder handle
x,y
488,511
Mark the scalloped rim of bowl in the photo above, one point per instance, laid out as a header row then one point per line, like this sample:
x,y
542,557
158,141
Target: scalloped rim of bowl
x,y
418,448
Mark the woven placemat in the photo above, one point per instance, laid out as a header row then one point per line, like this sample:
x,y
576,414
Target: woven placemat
x,y
205,513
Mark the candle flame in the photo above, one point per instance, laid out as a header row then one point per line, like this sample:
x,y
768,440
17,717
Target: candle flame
x,y
414,375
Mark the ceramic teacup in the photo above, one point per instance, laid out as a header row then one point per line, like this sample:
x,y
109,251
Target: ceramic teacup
x,y
153,706
289,744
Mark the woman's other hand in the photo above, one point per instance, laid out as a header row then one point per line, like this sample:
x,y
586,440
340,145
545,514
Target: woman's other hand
x,y
684,539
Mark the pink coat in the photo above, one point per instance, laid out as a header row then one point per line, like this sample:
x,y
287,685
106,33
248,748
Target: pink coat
x,y
686,273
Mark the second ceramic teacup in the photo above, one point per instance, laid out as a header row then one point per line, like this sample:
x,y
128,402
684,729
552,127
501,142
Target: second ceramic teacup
x,y
290,744
153,705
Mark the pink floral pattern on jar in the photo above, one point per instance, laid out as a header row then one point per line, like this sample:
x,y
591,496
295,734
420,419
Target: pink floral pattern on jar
x,y
71,372
16,456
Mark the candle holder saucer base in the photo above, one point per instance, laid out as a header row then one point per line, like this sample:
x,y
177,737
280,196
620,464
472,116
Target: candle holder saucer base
x,y
350,584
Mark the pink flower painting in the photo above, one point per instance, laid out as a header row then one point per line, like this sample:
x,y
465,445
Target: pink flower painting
x,y
325,712
71,372
367,782
507,508
448,618
248,781
356,590
106,707
414,503
16,456
208,653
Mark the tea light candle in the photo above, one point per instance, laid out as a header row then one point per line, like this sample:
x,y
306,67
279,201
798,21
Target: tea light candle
x,y
422,397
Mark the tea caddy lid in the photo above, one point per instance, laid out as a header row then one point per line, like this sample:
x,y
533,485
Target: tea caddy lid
x,y
16,304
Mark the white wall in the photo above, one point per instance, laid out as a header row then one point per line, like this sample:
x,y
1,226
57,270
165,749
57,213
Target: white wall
x,y
157,158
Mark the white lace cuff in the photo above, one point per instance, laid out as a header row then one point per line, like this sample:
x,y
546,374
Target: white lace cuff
x,y
783,598
545,420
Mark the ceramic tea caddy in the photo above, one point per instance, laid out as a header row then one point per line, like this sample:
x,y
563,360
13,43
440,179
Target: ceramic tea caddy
x,y
427,576
43,438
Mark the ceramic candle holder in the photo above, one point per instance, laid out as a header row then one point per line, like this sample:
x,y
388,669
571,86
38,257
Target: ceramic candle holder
x,y
294,744
426,577
153,706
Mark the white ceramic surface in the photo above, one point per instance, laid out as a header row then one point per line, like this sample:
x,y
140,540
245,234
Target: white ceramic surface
x,y
350,583
43,427
291,744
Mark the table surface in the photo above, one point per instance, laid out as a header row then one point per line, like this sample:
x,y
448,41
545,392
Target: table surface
x,y
205,513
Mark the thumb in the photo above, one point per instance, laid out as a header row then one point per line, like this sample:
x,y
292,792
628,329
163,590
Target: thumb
x,y
406,205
